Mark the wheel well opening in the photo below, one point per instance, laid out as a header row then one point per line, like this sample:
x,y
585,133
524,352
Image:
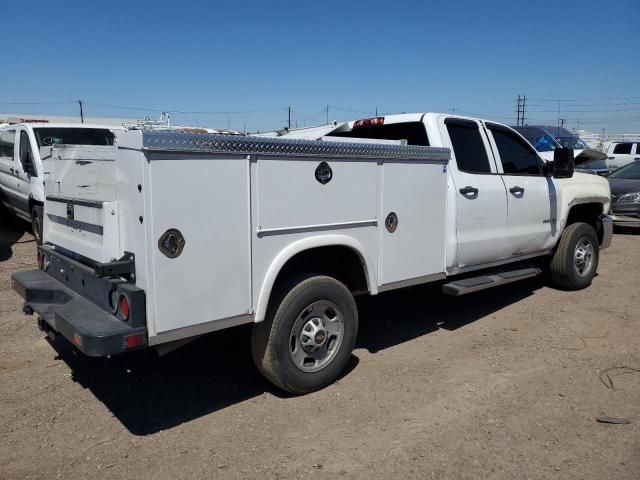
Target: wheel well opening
x,y
587,213
339,262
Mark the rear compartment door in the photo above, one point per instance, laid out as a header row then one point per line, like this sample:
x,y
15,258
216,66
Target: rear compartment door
x,y
204,197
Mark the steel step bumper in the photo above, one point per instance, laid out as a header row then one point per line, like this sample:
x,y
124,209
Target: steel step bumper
x,y
88,327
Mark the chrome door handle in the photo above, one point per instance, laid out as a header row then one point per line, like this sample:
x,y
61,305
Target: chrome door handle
x,y
517,190
469,190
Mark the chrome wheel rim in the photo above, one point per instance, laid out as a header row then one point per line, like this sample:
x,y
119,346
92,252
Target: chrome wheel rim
x,y
316,336
583,257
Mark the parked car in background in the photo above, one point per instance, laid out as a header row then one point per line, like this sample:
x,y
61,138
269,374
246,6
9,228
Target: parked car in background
x,y
625,195
23,147
545,139
620,154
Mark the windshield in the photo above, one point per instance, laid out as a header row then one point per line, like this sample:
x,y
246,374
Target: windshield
x,y
629,172
73,136
541,140
572,142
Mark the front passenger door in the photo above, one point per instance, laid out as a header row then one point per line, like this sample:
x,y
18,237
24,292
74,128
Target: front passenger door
x,y
531,196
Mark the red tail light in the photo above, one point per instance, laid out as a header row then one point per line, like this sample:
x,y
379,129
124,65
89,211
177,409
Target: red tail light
x,y
123,306
368,122
133,341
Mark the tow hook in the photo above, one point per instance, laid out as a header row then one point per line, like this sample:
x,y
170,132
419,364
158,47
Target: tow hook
x,y
27,309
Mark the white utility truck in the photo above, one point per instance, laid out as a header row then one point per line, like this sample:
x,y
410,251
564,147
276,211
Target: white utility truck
x,y
172,235
23,148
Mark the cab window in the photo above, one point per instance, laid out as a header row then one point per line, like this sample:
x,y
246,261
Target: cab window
x,y
26,155
517,157
7,142
468,147
622,148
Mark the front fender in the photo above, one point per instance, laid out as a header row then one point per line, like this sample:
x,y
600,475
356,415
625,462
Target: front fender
x,y
299,246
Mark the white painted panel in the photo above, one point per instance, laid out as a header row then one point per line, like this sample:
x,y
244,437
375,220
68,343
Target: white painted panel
x,y
84,171
416,192
288,194
93,232
207,199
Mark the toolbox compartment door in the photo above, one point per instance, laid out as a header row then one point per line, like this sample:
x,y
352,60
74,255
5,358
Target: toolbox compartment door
x,y
205,197
414,193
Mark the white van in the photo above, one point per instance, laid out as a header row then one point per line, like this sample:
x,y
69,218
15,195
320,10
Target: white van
x,y
23,147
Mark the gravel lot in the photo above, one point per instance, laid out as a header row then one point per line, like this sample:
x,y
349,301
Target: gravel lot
x,y
501,384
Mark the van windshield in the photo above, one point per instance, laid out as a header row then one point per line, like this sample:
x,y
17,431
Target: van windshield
x,y
413,132
73,136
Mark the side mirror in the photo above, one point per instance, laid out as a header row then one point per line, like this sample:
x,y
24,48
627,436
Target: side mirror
x,y
563,163
27,164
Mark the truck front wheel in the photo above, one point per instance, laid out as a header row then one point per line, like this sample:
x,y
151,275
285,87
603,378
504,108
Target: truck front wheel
x,y
36,223
306,340
575,261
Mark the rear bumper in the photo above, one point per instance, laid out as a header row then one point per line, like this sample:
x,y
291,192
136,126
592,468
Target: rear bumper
x,y
94,331
607,231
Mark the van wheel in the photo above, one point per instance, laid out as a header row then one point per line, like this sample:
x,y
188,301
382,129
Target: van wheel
x,y
306,340
36,223
575,261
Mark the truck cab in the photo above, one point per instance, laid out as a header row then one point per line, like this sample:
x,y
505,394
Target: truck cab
x,y
507,203
23,147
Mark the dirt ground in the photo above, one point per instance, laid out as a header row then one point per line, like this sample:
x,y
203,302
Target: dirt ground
x,y
501,384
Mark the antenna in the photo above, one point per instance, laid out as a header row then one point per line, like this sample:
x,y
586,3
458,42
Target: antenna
x,y
81,112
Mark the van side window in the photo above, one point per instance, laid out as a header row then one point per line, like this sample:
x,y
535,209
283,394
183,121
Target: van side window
x,y
25,151
7,141
622,148
468,146
518,158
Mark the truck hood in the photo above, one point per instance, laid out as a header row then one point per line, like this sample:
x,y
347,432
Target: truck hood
x,y
620,186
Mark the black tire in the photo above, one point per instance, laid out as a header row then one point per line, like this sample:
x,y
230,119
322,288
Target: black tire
x,y
564,269
274,340
36,223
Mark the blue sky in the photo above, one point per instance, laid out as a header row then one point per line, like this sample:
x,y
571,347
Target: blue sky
x,y
253,59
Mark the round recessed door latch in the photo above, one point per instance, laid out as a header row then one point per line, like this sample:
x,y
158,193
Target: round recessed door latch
x,y
171,243
324,174
391,222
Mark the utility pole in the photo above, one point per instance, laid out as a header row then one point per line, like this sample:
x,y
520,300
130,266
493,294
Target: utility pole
x,y
81,112
376,111
327,114
520,110
289,122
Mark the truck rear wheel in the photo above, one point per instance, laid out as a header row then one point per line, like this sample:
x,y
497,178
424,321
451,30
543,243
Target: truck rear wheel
x,y
306,340
36,223
575,261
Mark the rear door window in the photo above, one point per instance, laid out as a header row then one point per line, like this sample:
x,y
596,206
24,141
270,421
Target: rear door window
x,y
517,157
622,148
468,147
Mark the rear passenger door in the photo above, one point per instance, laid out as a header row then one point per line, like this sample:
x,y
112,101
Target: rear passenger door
x,y
531,196
481,206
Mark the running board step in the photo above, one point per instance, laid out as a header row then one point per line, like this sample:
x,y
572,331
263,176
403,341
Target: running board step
x,y
474,284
